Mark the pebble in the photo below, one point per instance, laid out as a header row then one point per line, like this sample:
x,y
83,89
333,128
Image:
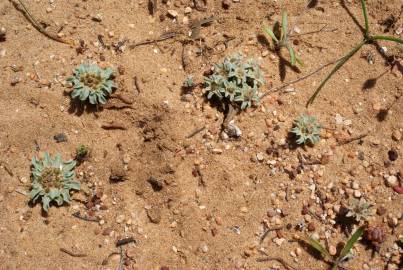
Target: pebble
x,y
393,155
2,52
355,185
154,214
188,10
204,248
97,17
107,231
173,13
3,33
396,135
225,4
260,157
279,241
381,210
391,181
311,227
61,137
23,180
332,250
357,194
120,219
217,151
15,80
131,253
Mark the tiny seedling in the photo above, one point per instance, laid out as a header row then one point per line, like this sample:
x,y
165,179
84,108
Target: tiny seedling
x,y
368,39
93,83
345,252
189,83
281,40
52,180
82,152
306,129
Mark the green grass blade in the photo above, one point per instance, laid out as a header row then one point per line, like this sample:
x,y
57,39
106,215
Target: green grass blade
x,y
284,25
365,13
334,70
271,34
388,38
299,60
318,247
350,243
292,55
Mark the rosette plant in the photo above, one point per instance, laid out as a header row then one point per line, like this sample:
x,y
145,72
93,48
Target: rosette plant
x,y
52,180
93,83
306,129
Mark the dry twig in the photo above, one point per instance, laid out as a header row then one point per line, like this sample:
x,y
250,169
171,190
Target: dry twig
x,y
20,6
72,254
280,260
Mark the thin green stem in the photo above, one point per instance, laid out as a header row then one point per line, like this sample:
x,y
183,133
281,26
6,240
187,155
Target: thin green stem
x,y
335,69
365,13
398,40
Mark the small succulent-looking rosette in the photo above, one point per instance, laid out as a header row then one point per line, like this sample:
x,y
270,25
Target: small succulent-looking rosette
x,y
236,81
93,83
52,180
306,129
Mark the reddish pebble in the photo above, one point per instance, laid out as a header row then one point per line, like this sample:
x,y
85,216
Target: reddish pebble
x,y
311,227
398,189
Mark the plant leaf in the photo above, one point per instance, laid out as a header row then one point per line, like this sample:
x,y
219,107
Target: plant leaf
x,y
292,55
299,60
365,13
271,34
350,243
318,247
334,70
284,25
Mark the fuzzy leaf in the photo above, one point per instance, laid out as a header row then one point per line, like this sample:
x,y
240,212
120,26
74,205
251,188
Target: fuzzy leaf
x,y
53,193
45,203
72,185
66,195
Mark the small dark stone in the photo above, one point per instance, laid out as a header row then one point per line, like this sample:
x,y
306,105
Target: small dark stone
x,y
381,210
226,4
393,155
311,227
305,210
15,80
155,184
164,268
61,137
